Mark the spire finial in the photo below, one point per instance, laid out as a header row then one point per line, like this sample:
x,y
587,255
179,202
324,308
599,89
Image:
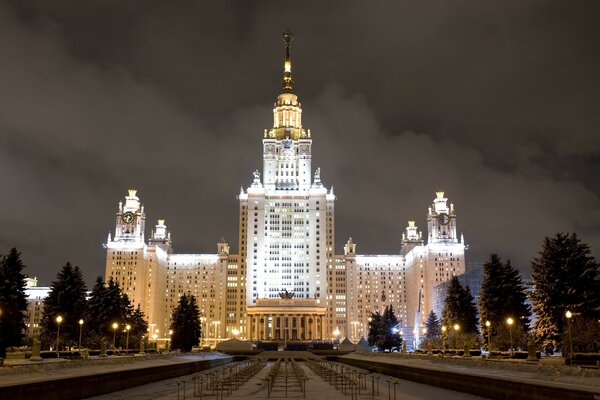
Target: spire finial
x,y
287,37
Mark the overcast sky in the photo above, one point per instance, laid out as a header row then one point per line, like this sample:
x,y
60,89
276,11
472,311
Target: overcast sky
x,y
496,103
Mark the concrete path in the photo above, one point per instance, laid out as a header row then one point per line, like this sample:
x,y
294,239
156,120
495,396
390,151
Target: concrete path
x,y
565,376
316,388
43,371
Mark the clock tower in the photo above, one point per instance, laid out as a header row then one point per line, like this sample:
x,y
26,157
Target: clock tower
x,y
130,219
441,221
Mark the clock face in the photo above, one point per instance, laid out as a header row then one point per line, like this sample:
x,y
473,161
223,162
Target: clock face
x,y
443,219
128,217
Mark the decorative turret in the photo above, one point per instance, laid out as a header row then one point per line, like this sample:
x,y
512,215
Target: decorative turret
x,y
411,238
350,248
441,221
130,219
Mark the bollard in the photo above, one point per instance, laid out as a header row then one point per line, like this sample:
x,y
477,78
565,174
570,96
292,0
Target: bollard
x,y
395,382
179,382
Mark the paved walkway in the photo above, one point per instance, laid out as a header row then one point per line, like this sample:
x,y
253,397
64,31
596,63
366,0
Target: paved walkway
x,y
41,371
565,376
316,388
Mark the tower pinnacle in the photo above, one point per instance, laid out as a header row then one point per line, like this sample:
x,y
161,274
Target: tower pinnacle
x,y
287,37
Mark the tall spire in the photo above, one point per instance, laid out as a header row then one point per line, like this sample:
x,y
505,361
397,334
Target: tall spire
x,y
287,37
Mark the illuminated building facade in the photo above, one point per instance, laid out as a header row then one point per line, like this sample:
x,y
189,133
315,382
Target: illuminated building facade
x,y
286,245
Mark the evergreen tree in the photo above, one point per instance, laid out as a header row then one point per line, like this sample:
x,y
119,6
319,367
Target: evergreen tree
x,y
107,305
67,299
383,331
491,301
565,277
469,319
502,296
13,300
139,326
453,312
433,326
185,324
391,338
375,328
460,310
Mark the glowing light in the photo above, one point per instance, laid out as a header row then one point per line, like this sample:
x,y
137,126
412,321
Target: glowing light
x,y
510,321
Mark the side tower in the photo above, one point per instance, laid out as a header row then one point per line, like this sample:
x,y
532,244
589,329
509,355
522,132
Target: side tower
x,y
442,257
125,253
133,264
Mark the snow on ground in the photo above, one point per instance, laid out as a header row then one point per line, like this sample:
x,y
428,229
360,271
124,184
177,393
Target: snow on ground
x,y
548,372
316,388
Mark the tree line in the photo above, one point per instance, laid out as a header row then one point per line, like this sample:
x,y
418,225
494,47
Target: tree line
x,y
565,296
71,315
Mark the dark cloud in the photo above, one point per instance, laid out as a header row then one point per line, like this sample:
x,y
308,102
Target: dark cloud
x,y
494,103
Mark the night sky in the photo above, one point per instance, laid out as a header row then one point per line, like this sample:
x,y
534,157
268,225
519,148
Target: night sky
x,y
496,103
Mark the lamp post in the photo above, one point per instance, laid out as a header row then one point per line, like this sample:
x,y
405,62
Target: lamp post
x,y
489,334
456,330
355,330
569,315
510,321
169,339
127,328
58,321
202,325
215,323
336,333
155,337
114,326
80,331
235,332
444,339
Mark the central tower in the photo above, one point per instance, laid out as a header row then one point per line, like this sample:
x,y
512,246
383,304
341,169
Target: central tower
x,y
286,215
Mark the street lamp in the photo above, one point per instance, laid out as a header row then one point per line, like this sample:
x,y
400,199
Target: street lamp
x,y
569,315
444,339
169,340
215,323
114,326
510,321
58,321
80,331
155,337
355,329
235,332
456,330
127,328
489,333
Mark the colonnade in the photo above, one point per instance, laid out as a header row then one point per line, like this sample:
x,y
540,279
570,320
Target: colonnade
x,y
266,326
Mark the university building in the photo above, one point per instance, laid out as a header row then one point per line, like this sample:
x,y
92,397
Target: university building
x,y
286,281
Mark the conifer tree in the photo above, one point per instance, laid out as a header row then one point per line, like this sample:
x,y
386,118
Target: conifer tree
x,y
139,325
383,331
391,337
469,321
13,300
107,305
185,324
452,312
502,296
433,326
67,299
375,328
491,301
565,277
